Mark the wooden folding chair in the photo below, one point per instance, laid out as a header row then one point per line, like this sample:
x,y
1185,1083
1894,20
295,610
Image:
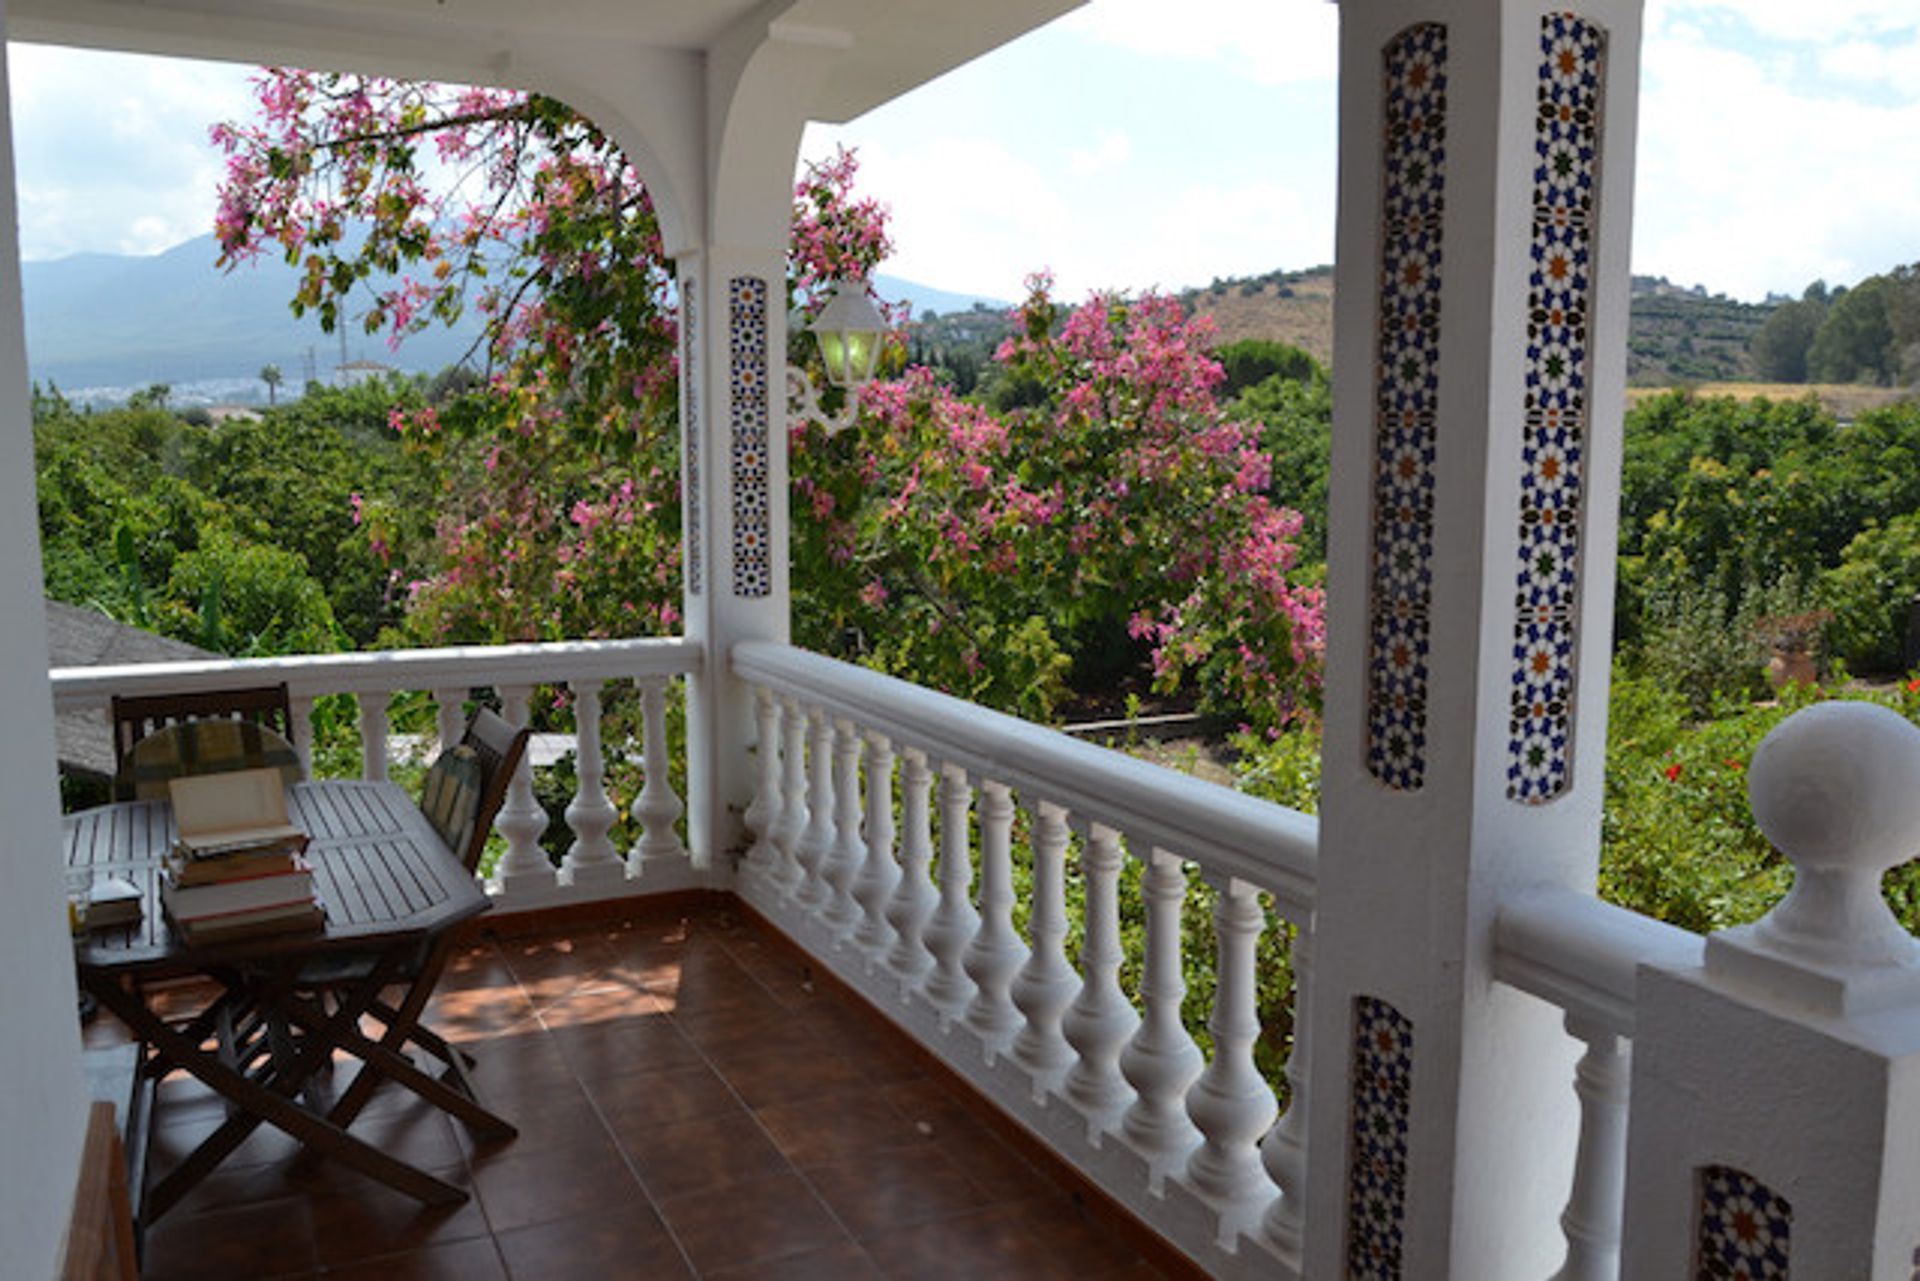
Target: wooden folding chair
x,y
138,717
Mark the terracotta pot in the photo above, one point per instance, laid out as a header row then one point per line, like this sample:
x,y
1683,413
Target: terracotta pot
x,y
1792,666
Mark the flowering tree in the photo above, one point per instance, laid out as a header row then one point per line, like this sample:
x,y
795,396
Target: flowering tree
x,y
1116,515
559,512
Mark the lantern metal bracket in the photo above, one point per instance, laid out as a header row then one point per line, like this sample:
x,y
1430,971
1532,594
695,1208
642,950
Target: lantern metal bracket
x,y
803,402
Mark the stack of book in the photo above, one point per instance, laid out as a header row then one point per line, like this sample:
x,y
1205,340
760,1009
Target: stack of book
x,y
237,868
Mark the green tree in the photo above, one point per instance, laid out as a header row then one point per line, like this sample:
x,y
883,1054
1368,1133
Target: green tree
x,y
1855,341
1780,347
272,377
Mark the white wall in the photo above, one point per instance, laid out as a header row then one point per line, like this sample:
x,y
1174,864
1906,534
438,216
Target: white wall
x,y
41,1095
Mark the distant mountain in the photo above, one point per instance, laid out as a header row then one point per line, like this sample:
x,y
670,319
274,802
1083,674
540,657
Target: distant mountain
x,y
107,323
111,321
924,299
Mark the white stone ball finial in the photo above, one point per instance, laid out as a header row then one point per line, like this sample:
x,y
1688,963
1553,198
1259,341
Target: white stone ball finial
x,y
1836,788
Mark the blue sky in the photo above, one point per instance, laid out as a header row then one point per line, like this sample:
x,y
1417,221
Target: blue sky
x,y
1122,147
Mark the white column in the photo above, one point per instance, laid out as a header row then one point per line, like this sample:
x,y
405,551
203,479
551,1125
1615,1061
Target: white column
x,y
1162,1060
1046,984
1487,157
300,709
1231,1104
373,734
1776,1087
659,851
995,951
763,816
843,913
524,867
913,898
591,859
1284,1150
873,888
450,715
816,843
1101,1018
1591,1220
950,930
793,797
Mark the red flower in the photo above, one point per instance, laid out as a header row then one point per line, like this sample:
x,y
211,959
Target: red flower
x,y
1734,762
1913,686
1672,772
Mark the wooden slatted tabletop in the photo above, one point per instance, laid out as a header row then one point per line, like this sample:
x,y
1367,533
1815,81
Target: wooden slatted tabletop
x,y
379,870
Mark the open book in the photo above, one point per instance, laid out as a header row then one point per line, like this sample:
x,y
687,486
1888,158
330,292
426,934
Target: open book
x,y
226,813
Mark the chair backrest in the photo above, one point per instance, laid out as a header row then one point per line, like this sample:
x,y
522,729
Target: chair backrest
x,y
495,749
137,716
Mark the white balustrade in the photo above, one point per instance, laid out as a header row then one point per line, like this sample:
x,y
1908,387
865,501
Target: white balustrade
x,y
948,987
1046,984
1592,1218
873,888
995,952
591,814
816,844
524,866
1284,1150
763,815
450,716
1161,1060
373,735
1231,1104
657,808
848,851
300,706
1101,1019
792,825
913,898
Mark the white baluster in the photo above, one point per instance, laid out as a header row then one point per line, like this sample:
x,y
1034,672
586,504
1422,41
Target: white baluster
x,y
995,952
792,827
1284,1150
521,820
843,864
1101,1018
1231,1102
763,815
1046,984
450,716
657,808
1592,1217
300,708
913,896
591,859
816,844
373,735
878,872
1161,1060
948,987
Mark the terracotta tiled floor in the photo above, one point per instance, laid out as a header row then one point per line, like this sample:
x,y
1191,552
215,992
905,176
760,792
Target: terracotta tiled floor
x,y
690,1104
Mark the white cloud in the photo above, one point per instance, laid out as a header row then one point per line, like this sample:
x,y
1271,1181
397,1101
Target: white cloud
x,y
1824,22
1887,65
1270,42
1110,150
1795,183
111,149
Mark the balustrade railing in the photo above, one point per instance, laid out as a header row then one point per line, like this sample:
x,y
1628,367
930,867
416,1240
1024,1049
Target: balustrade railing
x,y
913,897
1581,954
593,866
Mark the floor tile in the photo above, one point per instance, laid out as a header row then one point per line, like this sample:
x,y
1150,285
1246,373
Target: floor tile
x,y
352,1224
764,1079
984,1243
882,1191
640,1101
475,1260
594,1247
837,1127
518,1189
676,1160
264,1238
842,1262
751,1222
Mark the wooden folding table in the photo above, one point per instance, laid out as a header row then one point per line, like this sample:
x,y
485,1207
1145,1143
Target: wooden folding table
x,y
393,893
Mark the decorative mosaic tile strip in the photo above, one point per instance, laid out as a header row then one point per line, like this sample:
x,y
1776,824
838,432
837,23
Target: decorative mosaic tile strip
x,y
1745,1228
747,394
1377,1160
690,415
1406,383
1553,444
